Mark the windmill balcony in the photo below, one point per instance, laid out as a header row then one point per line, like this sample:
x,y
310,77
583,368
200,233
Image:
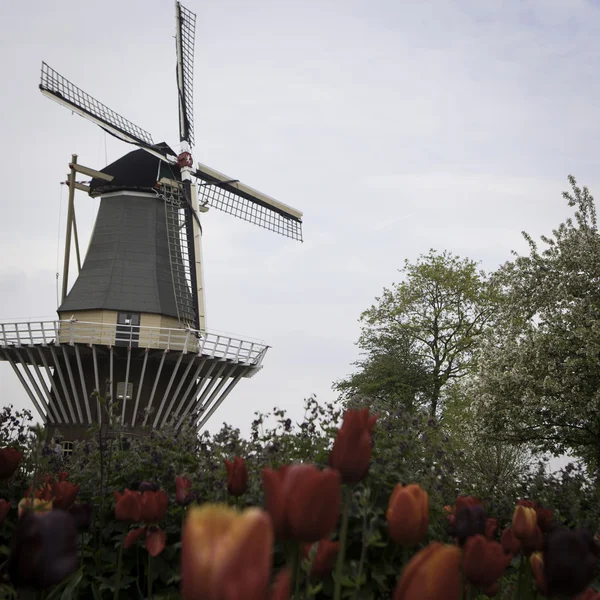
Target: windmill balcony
x,y
155,375
71,332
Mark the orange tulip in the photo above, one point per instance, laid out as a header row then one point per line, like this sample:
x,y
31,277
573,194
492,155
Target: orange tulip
x,y
38,506
408,514
303,502
432,574
524,522
351,452
536,560
237,476
324,558
226,554
484,561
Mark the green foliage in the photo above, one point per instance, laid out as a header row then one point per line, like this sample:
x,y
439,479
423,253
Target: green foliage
x,y
539,379
423,332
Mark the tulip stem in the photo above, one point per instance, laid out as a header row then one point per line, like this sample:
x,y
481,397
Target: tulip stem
x,y
347,497
298,571
119,566
149,577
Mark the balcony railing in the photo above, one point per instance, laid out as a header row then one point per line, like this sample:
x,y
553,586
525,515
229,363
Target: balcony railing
x,y
181,340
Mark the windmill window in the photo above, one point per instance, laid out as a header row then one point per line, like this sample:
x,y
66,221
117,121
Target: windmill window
x,y
67,448
121,391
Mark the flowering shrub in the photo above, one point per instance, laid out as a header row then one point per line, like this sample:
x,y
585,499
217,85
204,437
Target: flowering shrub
x,y
366,508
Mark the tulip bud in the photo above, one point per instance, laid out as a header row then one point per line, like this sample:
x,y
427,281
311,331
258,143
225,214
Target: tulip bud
x,y
303,502
323,559
225,553
536,561
484,561
237,476
4,508
569,561
352,447
408,514
491,526
432,574
154,506
9,461
509,542
64,494
182,487
37,506
82,515
469,521
524,522
128,506
43,550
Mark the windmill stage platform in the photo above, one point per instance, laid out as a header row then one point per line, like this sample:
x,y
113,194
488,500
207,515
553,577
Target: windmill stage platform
x,y
156,375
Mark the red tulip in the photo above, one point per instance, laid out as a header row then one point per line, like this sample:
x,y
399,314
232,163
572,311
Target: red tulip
x,y
509,542
491,526
324,557
9,461
534,543
408,514
589,594
133,536
4,508
544,518
432,574
64,494
351,452
237,476
282,586
63,476
182,487
303,502
128,506
154,506
156,540
484,561
226,554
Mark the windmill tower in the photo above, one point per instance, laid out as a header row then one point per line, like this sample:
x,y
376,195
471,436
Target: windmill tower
x,y
133,325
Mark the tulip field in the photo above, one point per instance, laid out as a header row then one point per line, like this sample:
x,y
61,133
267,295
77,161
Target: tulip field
x,y
343,505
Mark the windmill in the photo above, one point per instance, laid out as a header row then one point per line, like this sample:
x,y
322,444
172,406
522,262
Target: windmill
x,y
133,325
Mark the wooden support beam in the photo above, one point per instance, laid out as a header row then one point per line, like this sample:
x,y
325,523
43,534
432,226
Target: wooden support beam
x,y
79,186
90,172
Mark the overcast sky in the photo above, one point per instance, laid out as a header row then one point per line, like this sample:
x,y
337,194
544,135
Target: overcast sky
x,y
395,126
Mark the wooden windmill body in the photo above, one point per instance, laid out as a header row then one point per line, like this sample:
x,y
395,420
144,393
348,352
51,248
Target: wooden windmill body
x,y
132,328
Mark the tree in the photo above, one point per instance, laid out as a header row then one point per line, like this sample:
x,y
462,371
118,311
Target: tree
x,y
539,379
423,332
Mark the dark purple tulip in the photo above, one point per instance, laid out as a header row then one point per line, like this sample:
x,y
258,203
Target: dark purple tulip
x,y
43,550
469,521
82,515
148,486
569,561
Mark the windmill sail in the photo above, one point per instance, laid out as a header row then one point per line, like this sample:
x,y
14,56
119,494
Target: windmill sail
x,y
185,36
61,90
235,198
